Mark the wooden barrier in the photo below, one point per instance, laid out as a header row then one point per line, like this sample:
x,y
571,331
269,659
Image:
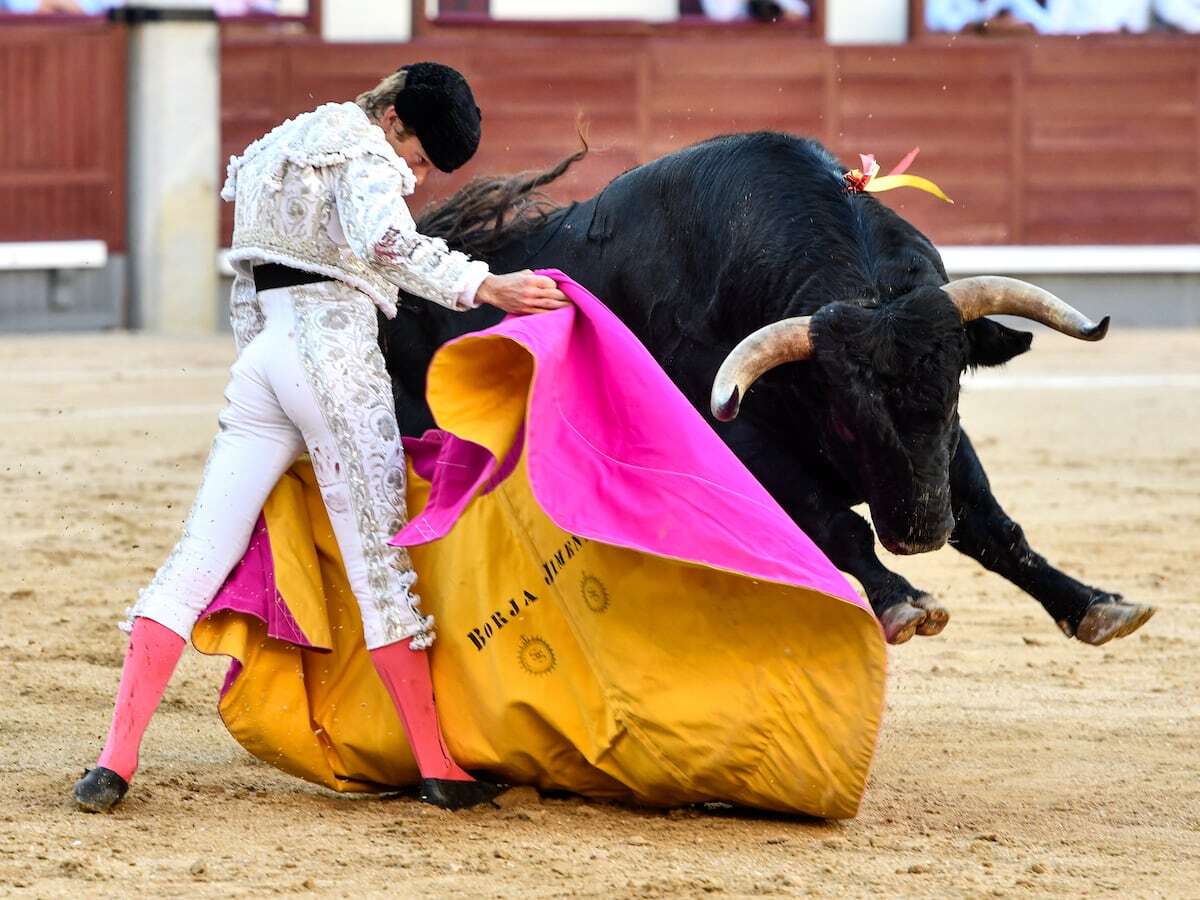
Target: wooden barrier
x,y
1046,141
62,132
1053,141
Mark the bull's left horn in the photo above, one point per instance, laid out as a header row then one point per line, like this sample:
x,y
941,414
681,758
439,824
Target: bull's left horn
x,y
995,295
772,345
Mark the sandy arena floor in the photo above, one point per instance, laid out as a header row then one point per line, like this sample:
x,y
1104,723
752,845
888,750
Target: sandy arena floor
x,y
1012,761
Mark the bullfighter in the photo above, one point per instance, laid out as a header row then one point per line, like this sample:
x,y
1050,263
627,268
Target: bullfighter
x,y
322,239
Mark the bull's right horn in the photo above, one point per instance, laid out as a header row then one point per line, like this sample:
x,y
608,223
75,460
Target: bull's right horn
x,y
772,345
991,295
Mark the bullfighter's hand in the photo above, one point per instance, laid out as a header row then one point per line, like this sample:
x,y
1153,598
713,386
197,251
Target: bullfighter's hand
x,y
522,293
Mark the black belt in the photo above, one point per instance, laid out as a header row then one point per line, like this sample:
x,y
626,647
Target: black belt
x,y
269,276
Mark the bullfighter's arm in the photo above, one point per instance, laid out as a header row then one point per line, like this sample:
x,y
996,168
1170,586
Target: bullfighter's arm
x,y
379,228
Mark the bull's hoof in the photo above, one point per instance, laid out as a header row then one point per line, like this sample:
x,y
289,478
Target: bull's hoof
x,y
901,620
936,615
99,790
1111,618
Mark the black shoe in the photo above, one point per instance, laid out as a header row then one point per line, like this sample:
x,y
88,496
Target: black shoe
x,y
457,794
99,790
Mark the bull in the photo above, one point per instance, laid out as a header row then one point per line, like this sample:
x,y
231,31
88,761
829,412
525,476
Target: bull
x,y
815,328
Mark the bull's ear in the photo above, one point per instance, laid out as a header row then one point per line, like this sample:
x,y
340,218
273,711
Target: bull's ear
x,y
993,344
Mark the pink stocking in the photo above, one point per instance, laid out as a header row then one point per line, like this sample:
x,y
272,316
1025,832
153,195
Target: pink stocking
x,y
150,660
405,673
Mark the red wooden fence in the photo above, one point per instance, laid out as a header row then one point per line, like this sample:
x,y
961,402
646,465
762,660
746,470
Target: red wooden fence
x,y
62,132
1055,141
1058,141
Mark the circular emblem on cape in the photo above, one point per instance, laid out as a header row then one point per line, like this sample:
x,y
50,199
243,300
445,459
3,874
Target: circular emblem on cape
x,y
536,656
595,594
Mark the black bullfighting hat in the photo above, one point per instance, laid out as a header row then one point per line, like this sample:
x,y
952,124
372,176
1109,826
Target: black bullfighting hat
x,y
437,105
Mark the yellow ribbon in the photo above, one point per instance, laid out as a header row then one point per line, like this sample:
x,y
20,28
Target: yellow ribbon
x,y
873,183
891,182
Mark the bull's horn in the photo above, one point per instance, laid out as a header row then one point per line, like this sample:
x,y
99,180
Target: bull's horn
x,y
772,345
988,295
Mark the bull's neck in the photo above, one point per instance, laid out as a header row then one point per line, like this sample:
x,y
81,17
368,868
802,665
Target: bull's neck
x,y
513,249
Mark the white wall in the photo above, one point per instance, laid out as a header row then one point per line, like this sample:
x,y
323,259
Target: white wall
x,y
366,20
644,10
866,21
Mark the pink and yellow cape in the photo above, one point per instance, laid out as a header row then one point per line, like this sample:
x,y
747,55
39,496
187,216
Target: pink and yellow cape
x,y
622,610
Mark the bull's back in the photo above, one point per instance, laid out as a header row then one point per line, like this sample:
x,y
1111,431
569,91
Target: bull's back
x,y
692,252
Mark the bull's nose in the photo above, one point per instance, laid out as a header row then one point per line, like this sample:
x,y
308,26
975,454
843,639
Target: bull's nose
x,y
909,548
915,543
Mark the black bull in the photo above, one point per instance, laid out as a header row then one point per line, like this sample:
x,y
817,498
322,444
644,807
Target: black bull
x,y
699,249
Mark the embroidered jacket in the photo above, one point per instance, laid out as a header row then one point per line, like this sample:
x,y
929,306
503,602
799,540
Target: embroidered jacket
x,y
324,192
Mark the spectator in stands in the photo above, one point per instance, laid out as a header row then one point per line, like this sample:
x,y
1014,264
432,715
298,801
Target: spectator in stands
x,y
1065,16
224,8
1181,14
762,10
56,7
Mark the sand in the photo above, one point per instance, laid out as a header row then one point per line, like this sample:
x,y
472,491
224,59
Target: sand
x,y
1012,761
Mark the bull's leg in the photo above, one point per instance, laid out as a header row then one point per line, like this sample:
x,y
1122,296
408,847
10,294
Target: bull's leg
x,y
903,610
984,532
841,534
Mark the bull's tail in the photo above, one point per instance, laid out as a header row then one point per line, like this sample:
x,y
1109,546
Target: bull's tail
x,y
491,211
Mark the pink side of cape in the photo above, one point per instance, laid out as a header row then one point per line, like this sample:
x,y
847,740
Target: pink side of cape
x,y
617,454
250,589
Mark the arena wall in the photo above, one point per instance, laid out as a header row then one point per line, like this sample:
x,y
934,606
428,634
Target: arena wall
x,y
1056,142
1053,141
1045,141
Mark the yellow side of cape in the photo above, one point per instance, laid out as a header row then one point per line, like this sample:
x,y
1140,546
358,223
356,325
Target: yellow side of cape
x,y
560,662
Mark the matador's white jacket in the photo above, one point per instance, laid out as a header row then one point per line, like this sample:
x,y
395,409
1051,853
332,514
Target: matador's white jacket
x,y
323,192
319,193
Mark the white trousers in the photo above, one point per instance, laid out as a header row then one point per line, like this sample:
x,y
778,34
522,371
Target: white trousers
x,y
312,379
